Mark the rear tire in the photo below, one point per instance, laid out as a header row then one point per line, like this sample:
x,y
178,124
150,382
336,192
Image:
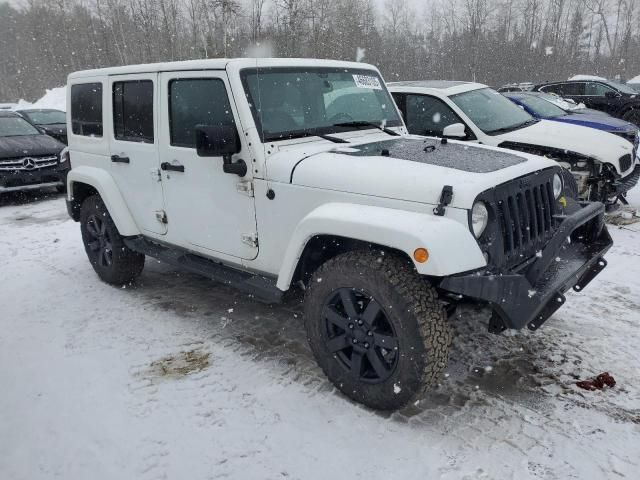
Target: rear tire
x,y
376,328
112,260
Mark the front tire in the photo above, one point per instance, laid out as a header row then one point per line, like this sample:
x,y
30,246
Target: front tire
x,y
112,260
376,328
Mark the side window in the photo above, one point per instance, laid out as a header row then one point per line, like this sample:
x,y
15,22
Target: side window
x,y
594,89
133,111
573,88
551,89
86,109
196,101
428,115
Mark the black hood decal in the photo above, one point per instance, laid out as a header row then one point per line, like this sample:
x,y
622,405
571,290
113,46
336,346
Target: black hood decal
x,y
434,152
29,145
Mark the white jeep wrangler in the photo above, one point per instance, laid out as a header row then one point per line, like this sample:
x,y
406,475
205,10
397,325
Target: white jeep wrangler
x,y
272,174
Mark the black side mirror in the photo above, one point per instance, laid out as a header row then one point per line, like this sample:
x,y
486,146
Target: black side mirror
x,y
220,141
610,95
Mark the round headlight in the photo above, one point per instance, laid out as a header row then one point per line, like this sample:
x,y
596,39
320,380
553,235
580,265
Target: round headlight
x,y
479,218
557,186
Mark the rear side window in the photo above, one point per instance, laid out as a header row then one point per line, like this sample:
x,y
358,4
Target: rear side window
x,y
196,101
86,109
133,111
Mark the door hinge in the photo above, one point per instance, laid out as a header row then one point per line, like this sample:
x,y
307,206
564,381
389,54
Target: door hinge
x,y
161,216
246,188
250,239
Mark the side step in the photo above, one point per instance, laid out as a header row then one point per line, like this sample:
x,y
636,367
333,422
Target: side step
x,y
262,287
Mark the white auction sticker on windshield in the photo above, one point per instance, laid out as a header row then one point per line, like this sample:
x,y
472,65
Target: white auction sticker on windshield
x,y
367,81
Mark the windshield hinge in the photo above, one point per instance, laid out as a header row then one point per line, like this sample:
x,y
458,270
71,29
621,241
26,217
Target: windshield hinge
x,y
250,239
246,188
161,216
445,199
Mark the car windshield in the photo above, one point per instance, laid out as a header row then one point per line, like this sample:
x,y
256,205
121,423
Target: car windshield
x,y
298,102
15,127
541,107
492,112
622,87
46,117
634,86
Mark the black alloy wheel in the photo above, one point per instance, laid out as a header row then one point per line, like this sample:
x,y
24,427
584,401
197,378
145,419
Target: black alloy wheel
x,y
99,241
359,333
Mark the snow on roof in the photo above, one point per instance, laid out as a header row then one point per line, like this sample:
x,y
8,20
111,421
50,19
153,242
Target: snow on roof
x,y
588,77
56,98
445,87
635,80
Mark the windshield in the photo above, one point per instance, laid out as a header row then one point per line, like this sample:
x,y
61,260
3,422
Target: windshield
x,y
298,102
16,126
634,86
492,112
47,117
622,87
541,107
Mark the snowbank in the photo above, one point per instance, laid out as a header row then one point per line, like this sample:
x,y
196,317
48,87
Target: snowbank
x,y
587,77
55,98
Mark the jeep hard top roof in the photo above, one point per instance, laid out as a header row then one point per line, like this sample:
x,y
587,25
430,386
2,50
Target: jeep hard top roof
x,y
219,64
446,87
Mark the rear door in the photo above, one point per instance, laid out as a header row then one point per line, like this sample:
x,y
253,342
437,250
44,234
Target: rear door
x,y
134,148
208,210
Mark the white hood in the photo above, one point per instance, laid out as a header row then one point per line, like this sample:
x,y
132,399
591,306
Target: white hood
x,y
362,168
596,144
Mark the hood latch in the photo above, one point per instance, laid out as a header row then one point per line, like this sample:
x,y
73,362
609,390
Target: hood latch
x,y
445,199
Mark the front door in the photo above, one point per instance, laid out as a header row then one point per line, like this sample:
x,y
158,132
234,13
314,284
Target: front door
x,y
208,211
595,96
134,148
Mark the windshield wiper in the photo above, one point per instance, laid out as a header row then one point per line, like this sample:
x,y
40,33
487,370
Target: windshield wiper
x,y
362,123
311,133
331,139
512,127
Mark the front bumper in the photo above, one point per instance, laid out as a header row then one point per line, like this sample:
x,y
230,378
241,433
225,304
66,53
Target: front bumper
x,y
12,181
530,296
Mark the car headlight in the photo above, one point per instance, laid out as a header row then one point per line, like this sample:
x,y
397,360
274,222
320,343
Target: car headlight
x,y
64,155
479,218
557,186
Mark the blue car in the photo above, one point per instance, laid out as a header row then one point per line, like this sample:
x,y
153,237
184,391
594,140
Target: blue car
x,y
545,106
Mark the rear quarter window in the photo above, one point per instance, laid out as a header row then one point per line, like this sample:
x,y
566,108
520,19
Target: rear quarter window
x,y
86,109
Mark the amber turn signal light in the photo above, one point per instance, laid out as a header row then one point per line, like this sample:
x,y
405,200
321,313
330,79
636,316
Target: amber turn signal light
x,y
421,255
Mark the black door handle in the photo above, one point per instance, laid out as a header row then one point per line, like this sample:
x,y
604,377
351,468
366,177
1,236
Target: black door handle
x,y
119,159
172,167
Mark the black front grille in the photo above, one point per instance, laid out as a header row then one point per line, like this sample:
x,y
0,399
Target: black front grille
x,y
625,162
526,220
522,217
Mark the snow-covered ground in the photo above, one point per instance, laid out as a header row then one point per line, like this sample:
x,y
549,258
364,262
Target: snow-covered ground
x,y
179,377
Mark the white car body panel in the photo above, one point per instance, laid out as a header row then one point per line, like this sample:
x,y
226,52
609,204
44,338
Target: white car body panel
x,y
399,229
